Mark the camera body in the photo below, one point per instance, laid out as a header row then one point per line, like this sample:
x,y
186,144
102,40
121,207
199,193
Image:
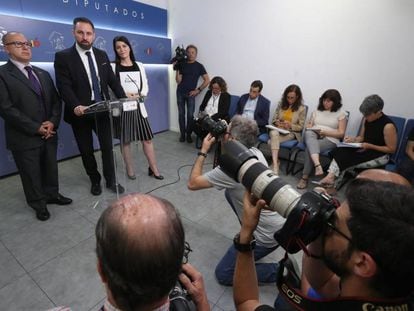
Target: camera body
x,y
179,58
207,124
306,215
180,299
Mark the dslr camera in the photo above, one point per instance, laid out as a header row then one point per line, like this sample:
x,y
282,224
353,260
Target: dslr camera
x,y
306,215
180,299
179,58
208,125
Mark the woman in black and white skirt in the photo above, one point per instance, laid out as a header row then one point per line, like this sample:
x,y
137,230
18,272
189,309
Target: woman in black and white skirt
x,y
133,125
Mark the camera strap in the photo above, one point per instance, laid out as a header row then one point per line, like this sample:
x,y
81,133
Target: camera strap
x,y
295,297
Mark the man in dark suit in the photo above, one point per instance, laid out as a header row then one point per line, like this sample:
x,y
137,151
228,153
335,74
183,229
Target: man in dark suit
x,y
255,106
83,74
31,109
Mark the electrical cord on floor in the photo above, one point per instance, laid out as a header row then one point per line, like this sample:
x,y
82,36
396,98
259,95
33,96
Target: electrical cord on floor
x,y
179,177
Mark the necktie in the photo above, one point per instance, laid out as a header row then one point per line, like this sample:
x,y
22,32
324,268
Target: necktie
x,y
95,81
38,89
33,81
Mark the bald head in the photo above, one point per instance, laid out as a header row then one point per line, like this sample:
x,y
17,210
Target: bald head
x,y
140,214
140,246
383,175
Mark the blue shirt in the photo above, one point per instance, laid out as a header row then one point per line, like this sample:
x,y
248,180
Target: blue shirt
x,y
250,108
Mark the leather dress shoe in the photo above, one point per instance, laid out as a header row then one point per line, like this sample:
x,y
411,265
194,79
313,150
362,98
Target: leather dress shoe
x,y
151,173
96,189
59,200
42,214
117,188
132,177
189,139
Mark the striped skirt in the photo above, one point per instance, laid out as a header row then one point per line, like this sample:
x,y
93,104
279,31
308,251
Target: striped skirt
x,y
132,126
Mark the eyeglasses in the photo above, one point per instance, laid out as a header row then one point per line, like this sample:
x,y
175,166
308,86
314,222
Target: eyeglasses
x,y
187,250
332,227
19,44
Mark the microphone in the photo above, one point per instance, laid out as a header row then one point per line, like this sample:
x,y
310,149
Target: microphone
x,y
140,97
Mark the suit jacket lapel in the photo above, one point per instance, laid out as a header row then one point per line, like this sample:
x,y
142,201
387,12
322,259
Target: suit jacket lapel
x,y
78,63
99,64
14,71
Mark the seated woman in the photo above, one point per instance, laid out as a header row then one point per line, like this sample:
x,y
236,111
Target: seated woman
x,y
406,167
378,139
216,104
324,130
290,115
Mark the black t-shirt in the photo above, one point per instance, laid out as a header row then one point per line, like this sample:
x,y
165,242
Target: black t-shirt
x,y
190,73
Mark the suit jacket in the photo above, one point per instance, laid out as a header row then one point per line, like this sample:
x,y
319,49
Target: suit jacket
x,y
223,106
298,120
261,114
20,107
72,79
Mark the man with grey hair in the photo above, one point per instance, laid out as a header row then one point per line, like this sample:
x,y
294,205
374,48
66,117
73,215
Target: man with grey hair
x,y
245,131
129,234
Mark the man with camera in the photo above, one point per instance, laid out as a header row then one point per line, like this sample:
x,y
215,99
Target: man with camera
x,y
130,235
362,260
188,71
255,106
244,131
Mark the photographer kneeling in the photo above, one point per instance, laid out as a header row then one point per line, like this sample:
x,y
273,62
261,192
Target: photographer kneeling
x,y
140,246
362,260
244,131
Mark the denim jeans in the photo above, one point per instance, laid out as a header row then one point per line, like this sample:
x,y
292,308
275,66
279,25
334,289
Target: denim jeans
x,y
266,272
182,101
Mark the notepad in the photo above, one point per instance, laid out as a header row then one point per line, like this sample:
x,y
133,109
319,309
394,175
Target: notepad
x,y
349,145
282,131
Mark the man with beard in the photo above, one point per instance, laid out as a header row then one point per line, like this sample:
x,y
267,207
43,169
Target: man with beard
x,y
83,74
362,259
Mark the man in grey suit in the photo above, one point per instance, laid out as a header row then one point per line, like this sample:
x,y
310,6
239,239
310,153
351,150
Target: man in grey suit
x,y
31,109
83,74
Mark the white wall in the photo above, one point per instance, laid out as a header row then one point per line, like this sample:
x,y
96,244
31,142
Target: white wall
x,y
358,47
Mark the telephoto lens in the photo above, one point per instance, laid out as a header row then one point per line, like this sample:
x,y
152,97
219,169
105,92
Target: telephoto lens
x,y
306,214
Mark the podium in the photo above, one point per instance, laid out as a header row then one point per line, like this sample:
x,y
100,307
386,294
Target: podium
x,y
118,113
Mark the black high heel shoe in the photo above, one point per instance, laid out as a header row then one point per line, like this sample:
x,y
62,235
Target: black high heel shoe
x,y
151,173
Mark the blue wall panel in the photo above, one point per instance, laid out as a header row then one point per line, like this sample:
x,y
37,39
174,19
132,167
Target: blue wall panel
x,y
50,37
48,23
123,15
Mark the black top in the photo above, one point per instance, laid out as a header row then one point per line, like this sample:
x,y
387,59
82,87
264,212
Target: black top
x,y
374,130
373,134
190,74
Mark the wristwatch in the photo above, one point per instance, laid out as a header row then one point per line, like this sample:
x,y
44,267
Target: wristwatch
x,y
243,247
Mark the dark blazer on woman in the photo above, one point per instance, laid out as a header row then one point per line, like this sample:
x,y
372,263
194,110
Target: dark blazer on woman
x,y
223,106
